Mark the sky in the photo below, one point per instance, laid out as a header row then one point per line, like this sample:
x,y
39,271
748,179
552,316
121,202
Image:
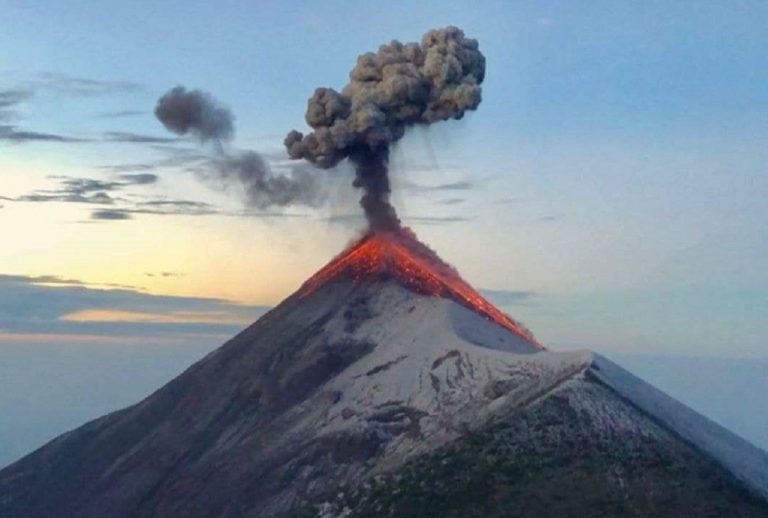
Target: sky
x,y
609,192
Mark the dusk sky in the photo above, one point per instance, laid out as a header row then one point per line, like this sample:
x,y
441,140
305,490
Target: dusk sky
x,y
610,191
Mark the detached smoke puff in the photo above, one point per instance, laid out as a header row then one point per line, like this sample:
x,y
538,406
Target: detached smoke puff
x,y
193,112
399,86
185,111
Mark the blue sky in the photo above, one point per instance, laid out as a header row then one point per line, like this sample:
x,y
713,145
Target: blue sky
x,y
615,172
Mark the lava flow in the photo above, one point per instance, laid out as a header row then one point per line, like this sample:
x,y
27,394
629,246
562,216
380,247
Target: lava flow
x,y
399,255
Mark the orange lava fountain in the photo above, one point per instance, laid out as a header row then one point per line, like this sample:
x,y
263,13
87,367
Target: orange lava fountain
x,y
399,255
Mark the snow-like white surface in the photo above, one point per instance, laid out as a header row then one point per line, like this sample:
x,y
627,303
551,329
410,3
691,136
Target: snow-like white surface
x,y
742,459
446,366
438,369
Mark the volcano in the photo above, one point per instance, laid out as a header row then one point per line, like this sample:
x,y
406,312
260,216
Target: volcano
x,y
387,386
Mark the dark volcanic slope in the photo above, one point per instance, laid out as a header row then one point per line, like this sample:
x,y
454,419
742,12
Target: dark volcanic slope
x,y
199,445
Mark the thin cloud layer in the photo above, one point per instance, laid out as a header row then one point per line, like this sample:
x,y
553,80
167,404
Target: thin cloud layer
x,y
50,304
80,86
121,114
63,84
10,99
441,187
86,190
136,138
10,133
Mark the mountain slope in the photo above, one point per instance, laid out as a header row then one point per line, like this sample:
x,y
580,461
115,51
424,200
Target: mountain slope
x,y
361,382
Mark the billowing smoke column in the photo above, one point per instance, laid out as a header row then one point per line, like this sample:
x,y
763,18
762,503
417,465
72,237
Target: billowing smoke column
x,y
399,86
196,113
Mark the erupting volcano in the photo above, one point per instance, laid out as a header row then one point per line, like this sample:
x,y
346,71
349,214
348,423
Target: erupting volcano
x,y
386,385
398,255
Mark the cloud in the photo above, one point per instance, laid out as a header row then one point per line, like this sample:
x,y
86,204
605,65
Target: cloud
x,y
127,168
97,198
449,186
508,297
136,138
451,201
86,190
80,86
110,215
50,304
121,114
65,84
11,134
56,280
9,99
138,178
187,207
159,207
164,274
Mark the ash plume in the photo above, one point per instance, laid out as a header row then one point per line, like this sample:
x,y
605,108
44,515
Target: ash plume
x,y
399,86
198,114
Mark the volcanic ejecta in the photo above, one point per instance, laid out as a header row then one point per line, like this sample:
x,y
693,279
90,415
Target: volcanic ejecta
x,y
198,114
401,85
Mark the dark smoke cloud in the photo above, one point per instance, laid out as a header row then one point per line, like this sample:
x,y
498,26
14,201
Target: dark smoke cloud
x,y
264,189
197,113
399,86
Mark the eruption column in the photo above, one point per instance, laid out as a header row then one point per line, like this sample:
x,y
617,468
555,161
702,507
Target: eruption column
x,y
397,87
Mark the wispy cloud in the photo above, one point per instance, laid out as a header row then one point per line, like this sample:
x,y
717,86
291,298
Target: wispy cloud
x,y
86,190
50,304
451,201
57,280
138,178
448,186
26,88
128,168
9,133
136,138
121,114
10,99
160,207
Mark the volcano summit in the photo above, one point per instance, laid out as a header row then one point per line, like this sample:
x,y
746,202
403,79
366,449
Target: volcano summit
x,y
387,386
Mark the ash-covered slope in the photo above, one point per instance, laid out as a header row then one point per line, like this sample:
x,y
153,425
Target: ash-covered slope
x,y
369,391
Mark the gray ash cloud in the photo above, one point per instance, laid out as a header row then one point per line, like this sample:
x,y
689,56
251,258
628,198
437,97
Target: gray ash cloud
x,y
399,86
198,114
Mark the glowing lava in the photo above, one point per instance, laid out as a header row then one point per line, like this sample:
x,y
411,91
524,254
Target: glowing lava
x,y
399,255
